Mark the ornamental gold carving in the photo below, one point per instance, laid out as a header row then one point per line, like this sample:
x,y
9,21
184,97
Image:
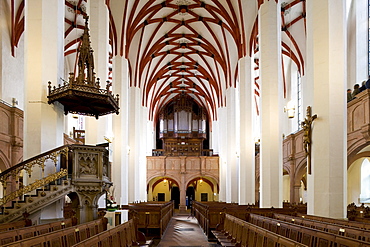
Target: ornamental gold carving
x,y
37,184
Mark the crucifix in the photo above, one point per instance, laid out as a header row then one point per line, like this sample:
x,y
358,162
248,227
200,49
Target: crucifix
x,y
307,128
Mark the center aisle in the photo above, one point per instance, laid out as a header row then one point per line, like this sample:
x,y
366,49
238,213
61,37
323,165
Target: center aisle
x,y
183,230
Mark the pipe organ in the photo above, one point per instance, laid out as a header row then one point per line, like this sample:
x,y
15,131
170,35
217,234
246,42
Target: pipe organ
x,y
182,127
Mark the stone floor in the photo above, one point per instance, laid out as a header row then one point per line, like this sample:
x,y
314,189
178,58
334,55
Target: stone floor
x,y
184,231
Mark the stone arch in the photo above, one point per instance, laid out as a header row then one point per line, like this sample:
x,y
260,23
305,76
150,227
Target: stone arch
x,y
354,150
354,157
206,188
71,208
154,183
301,170
207,179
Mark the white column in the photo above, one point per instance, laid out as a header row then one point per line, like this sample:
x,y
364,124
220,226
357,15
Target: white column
x,y
120,164
357,62
326,36
271,105
137,136
232,173
220,134
99,33
12,72
246,138
44,61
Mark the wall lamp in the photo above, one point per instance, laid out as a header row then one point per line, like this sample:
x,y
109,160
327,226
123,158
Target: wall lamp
x,y
290,109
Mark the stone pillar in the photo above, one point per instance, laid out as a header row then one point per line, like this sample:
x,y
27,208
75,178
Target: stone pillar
x,y
246,140
271,105
96,130
296,190
357,62
44,61
137,138
182,205
326,46
221,134
233,150
120,145
292,173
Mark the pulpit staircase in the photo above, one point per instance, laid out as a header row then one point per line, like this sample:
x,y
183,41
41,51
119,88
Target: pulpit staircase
x,y
44,179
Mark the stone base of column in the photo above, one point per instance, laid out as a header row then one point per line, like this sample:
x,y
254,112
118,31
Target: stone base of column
x,y
182,208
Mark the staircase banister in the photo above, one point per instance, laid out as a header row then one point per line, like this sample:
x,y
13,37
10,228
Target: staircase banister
x,y
23,163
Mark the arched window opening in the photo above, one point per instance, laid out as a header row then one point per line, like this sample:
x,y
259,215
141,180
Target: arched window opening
x,y
365,181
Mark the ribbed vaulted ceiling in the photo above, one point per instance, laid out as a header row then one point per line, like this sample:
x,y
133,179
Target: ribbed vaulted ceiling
x,y
176,46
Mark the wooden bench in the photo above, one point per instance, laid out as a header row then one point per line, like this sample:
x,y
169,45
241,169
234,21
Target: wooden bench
x,y
31,231
239,233
152,216
15,225
210,214
355,224
305,235
123,235
64,237
335,228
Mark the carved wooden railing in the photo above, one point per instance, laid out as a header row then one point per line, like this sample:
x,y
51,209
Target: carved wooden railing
x,y
76,163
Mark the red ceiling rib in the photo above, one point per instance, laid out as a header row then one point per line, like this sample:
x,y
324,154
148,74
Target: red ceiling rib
x,y
222,25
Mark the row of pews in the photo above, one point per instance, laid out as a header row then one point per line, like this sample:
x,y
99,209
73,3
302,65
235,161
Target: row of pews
x,y
123,235
211,214
238,232
21,233
306,235
15,225
289,226
347,229
67,234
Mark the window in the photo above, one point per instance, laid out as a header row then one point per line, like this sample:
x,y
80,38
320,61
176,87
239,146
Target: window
x,y
299,101
365,182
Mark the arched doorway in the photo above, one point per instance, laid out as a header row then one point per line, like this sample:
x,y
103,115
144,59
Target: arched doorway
x,y
163,189
202,189
175,196
190,195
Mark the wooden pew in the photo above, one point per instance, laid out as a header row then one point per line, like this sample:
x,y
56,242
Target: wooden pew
x,y
240,233
64,237
355,224
152,216
210,214
14,225
31,231
305,235
123,235
335,228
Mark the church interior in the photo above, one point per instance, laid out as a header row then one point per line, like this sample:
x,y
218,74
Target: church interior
x,y
247,118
